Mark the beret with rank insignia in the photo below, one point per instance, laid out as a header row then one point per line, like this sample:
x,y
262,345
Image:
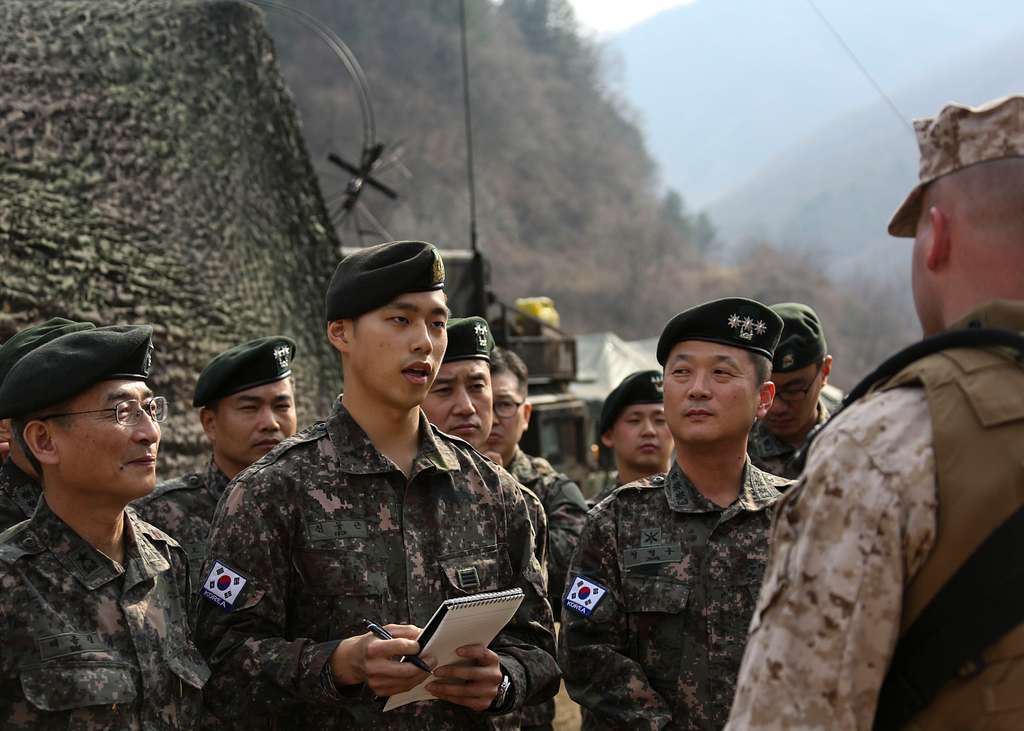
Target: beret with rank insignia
x,y
642,387
468,337
803,341
26,340
736,321
72,363
374,276
251,364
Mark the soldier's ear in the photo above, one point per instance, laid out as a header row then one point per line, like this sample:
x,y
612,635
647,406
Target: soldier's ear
x,y
39,439
940,243
339,333
765,397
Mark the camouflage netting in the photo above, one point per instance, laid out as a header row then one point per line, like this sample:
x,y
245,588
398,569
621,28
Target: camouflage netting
x,y
152,170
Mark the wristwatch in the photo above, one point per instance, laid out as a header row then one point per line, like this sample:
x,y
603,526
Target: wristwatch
x,y
504,696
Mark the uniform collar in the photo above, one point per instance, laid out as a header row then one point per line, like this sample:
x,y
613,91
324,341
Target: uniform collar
x,y
520,466
90,567
1003,314
756,493
357,455
20,487
216,481
767,444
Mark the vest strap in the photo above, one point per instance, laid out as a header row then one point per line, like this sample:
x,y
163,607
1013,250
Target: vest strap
x,y
983,601
969,338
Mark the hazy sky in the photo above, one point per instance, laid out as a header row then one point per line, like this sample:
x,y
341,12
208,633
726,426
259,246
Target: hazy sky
x,y
608,16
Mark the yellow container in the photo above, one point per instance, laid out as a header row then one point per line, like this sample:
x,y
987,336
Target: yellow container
x,y
543,308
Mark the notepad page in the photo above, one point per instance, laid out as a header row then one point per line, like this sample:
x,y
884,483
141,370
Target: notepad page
x,y
462,625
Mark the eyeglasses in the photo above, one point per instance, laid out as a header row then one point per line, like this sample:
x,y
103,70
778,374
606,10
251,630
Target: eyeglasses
x,y
127,413
506,408
797,395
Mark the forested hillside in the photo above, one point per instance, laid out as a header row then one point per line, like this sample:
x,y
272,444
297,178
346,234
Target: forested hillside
x,y
570,201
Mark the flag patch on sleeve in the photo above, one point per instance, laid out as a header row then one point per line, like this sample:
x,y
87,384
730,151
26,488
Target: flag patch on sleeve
x,y
583,596
223,586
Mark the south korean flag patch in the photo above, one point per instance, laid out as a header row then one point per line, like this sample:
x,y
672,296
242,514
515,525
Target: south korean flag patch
x,y
583,596
223,586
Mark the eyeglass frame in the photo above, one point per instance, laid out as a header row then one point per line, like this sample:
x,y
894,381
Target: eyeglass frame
x,y
138,410
790,395
512,412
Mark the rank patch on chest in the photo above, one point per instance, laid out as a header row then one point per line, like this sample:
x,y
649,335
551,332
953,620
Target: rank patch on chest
x,y
223,586
583,596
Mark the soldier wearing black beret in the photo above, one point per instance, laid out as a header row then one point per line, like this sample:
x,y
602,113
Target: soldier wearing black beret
x,y
94,615
803,399
667,570
460,400
372,513
246,405
19,482
632,425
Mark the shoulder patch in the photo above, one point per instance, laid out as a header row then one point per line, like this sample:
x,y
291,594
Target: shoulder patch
x,y
223,585
583,596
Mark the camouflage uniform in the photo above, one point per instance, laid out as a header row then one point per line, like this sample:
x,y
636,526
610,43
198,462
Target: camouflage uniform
x,y
327,531
183,508
862,518
566,511
19,495
771,454
89,643
663,645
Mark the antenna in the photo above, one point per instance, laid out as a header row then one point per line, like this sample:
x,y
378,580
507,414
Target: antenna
x,y
469,127
867,75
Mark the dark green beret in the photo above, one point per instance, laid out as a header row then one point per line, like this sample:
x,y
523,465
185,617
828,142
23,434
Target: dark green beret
x,y
70,364
27,340
468,337
251,364
735,321
642,387
372,277
803,340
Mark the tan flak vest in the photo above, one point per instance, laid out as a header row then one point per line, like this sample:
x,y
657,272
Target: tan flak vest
x,y
976,402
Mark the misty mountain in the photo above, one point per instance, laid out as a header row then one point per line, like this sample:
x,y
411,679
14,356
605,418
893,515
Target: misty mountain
x,y
834,191
723,87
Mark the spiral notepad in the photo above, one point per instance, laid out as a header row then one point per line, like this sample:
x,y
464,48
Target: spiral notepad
x,y
467,620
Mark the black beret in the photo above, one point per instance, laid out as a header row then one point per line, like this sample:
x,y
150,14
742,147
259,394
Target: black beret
x,y
68,365
803,340
642,387
27,340
372,277
735,321
468,337
248,365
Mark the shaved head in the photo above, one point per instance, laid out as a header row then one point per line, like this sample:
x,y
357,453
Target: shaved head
x,y
988,198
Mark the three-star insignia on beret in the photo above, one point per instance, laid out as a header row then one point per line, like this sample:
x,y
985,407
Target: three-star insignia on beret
x,y
481,334
747,326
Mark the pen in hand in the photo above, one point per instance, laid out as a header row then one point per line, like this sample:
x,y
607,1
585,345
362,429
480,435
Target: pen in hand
x,y
385,635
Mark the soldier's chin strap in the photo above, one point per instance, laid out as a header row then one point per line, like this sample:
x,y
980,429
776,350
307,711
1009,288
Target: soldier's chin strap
x,y
968,338
980,603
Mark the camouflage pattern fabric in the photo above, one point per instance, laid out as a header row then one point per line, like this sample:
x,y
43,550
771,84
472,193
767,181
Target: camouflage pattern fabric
x,y
680,575
19,495
860,522
771,454
91,644
183,508
566,511
326,531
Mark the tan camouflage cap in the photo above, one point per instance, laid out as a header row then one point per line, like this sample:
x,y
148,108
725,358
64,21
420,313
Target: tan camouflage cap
x,y
958,138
